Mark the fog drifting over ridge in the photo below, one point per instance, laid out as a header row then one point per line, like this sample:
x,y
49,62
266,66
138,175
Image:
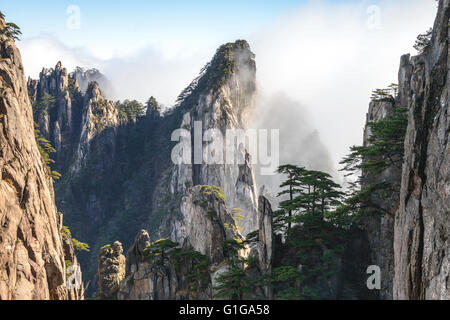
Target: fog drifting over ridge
x,y
321,61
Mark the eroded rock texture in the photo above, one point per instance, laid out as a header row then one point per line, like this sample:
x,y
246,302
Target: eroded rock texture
x,y
111,270
70,115
379,220
117,171
422,224
214,108
32,249
206,225
262,251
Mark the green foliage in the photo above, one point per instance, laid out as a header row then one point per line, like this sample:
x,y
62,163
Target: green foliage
x,y
237,215
77,245
385,94
11,30
66,231
213,190
68,264
289,284
423,40
384,147
166,250
45,148
153,105
73,90
157,251
310,195
307,219
80,246
198,263
231,249
252,236
44,104
234,282
55,175
99,109
130,110
216,72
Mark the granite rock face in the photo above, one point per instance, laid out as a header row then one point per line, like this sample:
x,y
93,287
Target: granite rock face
x,y
98,115
86,76
212,110
70,110
111,270
262,251
33,250
111,167
206,225
379,224
422,223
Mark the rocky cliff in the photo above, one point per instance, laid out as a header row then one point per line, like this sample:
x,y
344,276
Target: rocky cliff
x,y
207,224
217,101
111,270
379,220
190,270
409,240
116,162
422,223
122,173
35,255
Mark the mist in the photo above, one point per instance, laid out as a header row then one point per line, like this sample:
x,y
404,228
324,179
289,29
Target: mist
x,y
329,57
316,68
300,143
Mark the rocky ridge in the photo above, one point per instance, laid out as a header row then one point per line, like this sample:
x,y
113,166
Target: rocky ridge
x,y
190,270
410,241
422,224
115,170
34,253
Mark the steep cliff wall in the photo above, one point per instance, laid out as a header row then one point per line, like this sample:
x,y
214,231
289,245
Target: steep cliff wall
x,y
190,270
217,101
117,173
111,270
422,223
379,224
33,251
206,223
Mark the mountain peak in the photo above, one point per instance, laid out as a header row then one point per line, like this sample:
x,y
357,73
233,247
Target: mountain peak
x,y
230,59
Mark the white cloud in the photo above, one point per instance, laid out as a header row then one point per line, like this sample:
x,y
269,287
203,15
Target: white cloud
x,y
322,56
46,51
146,72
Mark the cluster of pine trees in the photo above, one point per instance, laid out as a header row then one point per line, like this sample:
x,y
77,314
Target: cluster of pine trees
x,y
316,217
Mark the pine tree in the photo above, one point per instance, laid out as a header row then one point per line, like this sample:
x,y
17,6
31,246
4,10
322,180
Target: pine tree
x,y
384,149
290,187
45,148
423,41
153,106
158,250
11,30
234,283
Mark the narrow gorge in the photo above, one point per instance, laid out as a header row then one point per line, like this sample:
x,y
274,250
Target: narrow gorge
x,y
154,223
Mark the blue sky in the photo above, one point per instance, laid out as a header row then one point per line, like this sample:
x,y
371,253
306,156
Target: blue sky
x,y
135,23
327,55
